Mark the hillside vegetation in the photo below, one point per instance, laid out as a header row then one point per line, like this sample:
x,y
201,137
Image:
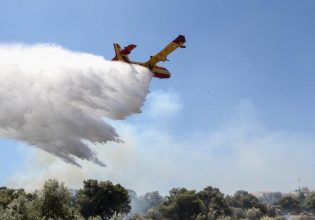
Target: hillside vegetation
x,y
105,200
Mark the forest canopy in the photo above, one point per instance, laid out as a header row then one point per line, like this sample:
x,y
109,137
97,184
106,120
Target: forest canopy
x,y
106,200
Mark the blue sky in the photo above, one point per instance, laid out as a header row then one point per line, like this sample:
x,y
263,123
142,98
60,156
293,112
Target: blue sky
x,y
257,54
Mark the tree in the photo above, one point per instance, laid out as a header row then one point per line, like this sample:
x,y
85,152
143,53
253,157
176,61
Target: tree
x,y
153,199
245,200
152,214
214,201
289,204
18,205
25,207
253,214
237,213
272,211
181,204
7,195
54,200
310,202
103,199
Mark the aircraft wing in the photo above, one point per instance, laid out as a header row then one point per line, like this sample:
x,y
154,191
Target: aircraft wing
x,y
162,55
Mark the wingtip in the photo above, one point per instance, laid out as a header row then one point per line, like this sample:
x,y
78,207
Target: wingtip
x,y
180,39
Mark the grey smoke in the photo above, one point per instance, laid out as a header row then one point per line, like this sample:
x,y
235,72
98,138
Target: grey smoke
x,y
56,99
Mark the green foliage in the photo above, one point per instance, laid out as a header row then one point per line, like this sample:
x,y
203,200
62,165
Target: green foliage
x,y
245,200
289,204
94,218
214,202
117,217
224,218
271,210
154,214
272,218
253,213
181,204
54,200
5,214
21,207
237,213
7,195
208,204
310,202
24,208
103,199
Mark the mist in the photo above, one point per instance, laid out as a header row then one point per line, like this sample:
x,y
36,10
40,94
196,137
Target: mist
x,y
58,100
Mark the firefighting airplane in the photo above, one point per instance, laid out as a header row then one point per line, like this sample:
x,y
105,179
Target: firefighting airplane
x,y
158,71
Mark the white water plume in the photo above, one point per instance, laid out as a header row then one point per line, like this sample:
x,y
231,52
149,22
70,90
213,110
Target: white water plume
x,y
56,99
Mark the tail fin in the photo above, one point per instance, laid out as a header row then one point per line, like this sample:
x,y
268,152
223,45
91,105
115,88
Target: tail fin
x,y
117,49
122,55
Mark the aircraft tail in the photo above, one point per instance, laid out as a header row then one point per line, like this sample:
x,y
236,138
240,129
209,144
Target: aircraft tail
x,y
122,55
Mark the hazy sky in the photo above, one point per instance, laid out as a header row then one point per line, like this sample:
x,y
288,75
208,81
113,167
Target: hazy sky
x,y
237,113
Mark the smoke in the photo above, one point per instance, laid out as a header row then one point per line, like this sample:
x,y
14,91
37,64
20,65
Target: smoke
x,y
242,152
57,100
